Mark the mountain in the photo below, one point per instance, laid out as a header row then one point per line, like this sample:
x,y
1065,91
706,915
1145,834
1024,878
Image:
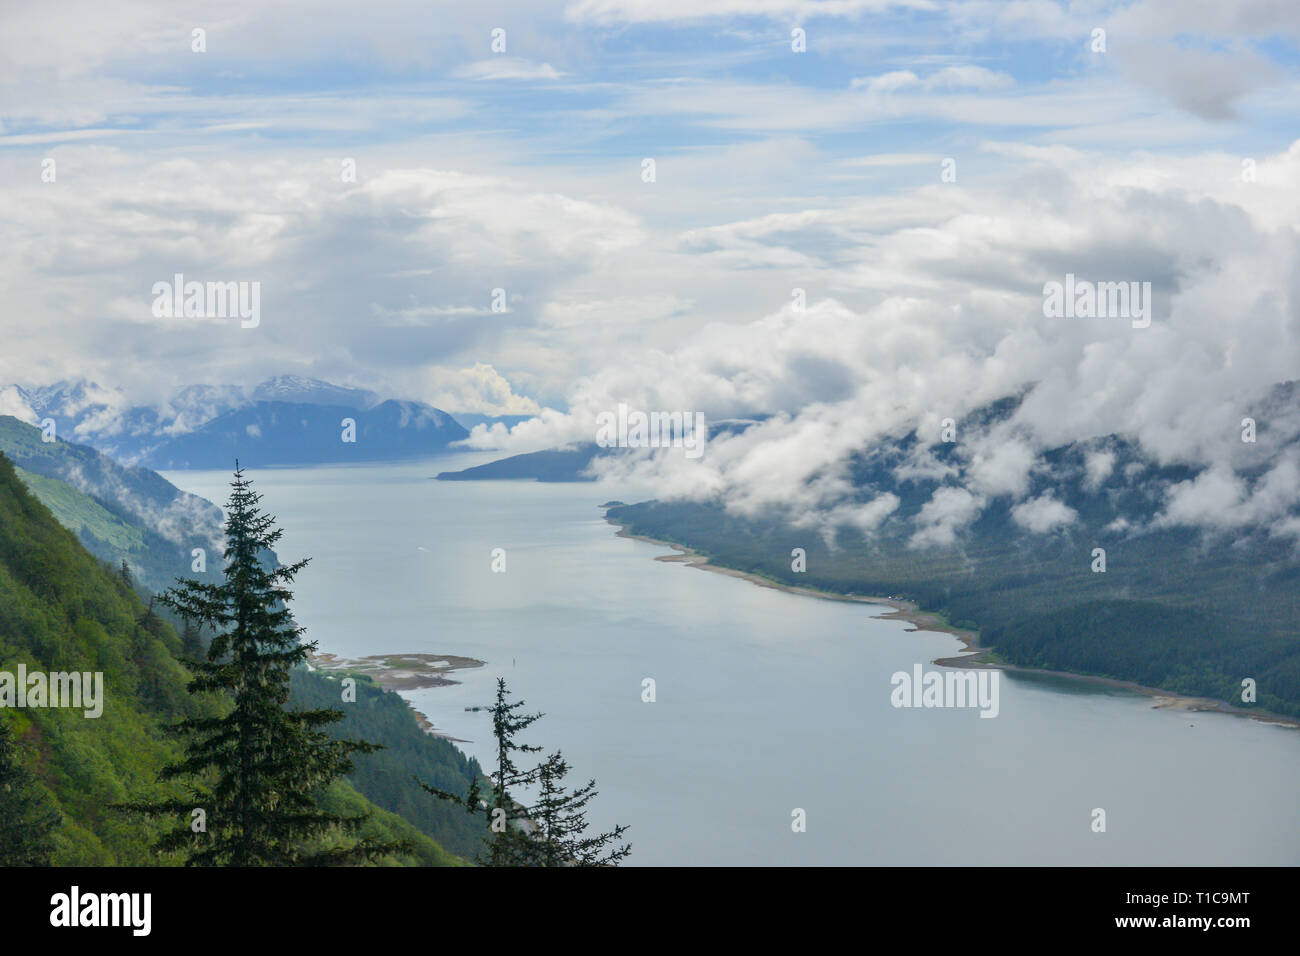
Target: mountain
x,y
297,433
312,391
61,610
564,464
118,512
284,420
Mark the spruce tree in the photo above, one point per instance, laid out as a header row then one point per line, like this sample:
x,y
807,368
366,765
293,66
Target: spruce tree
x,y
256,770
191,641
27,818
550,832
561,818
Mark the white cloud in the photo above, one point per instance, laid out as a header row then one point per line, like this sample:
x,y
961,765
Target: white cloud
x,y
508,68
1043,514
480,389
947,512
948,317
1098,465
12,403
968,77
651,11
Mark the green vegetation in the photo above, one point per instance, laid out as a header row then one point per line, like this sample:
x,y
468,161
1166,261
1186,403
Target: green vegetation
x,y
255,770
385,777
61,609
27,814
552,831
83,515
118,513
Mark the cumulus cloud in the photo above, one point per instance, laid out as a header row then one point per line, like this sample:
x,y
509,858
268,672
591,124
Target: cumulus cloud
x,y
418,251
947,512
923,302
1098,464
1043,514
950,319
1220,499
480,389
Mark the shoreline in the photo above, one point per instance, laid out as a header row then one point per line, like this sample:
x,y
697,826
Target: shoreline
x,y
973,654
403,672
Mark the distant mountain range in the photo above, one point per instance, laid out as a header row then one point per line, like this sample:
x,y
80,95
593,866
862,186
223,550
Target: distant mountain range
x,y
289,420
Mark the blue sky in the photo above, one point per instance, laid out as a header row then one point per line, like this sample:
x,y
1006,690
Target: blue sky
x,y
1168,158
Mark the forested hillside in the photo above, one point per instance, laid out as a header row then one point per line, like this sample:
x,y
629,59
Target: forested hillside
x,y
1171,610
134,515
61,609
121,513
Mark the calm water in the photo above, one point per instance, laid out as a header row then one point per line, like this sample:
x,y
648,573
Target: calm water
x,y
766,701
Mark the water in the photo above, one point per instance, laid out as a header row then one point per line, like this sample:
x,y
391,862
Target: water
x,y
766,701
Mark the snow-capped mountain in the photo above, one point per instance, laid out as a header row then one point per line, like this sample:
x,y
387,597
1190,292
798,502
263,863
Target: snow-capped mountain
x,y
312,391
289,419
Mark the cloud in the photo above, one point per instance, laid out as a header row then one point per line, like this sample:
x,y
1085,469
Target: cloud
x,y
654,11
1206,83
947,317
947,512
1220,499
12,403
1098,464
418,251
923,298
1043,514
949,78
480,389
508,68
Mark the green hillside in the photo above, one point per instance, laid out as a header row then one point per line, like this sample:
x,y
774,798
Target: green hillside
x,y
83,515
118,513
61,609
137,516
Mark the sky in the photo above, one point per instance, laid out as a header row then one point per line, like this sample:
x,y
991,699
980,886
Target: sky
x,y
854,208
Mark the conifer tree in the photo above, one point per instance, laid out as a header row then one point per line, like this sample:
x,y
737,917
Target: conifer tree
x,y
507,841
27,819
256,770
561,818
191,640
550,832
